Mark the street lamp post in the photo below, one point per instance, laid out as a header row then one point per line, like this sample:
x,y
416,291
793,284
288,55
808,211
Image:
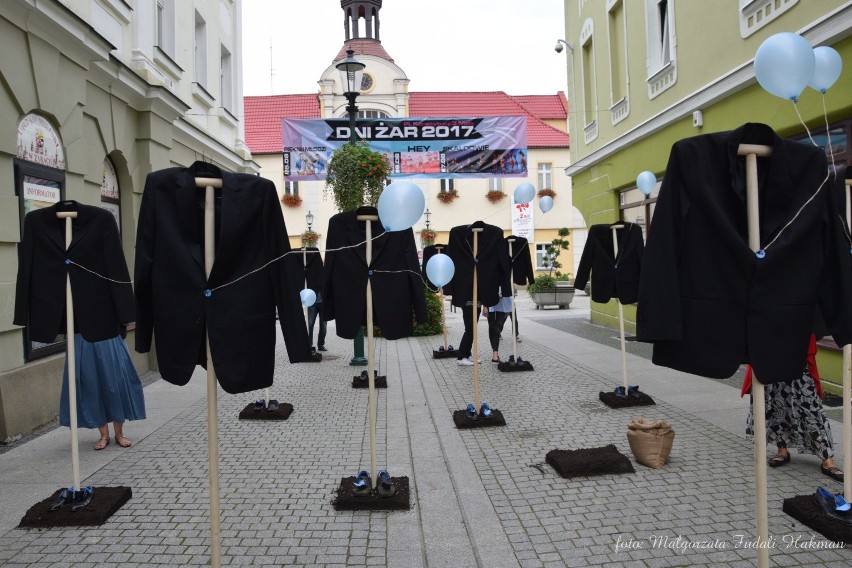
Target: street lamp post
x,y
309,219
351,71
428,215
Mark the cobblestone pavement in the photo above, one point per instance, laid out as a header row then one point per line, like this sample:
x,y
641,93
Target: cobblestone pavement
x,y
478,497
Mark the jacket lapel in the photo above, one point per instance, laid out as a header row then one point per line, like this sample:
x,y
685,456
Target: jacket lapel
x,y
188,216
229,222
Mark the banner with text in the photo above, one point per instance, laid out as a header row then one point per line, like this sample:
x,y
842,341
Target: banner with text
x,y
522,221
453,147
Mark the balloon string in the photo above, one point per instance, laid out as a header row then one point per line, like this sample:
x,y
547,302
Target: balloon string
x,y
294,251
796,106
805,204
97,274
828,135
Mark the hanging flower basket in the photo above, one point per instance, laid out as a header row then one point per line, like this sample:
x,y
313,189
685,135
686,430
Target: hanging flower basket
x,y
547,192
447,196
310,238
290,200
494,196
427,237
356,176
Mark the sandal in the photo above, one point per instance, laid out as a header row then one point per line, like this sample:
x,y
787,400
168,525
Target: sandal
x,y
778,460
102,443
833,472
123,442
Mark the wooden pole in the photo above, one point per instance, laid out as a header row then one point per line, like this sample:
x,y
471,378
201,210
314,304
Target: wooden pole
x,y
751,152
439,248
212,419
475,311
71,358
512,292
371,364
847,386
620,308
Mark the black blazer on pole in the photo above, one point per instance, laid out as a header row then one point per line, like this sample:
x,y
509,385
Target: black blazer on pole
x,y
522,270
612,276
311,266
172,305
492,263
100,306
706,300
395,293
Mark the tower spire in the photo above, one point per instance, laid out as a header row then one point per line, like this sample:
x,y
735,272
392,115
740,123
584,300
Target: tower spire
x,y
353,11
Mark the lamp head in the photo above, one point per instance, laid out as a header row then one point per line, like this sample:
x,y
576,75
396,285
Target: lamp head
x,y
351,71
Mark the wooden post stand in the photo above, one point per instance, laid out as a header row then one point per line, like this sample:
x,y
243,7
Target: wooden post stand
x,y
847,385
212,395
615,228
475,312
439,248
71,357
752,152
514,311
371,365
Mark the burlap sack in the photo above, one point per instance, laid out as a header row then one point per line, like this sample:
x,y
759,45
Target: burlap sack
x,y
650,441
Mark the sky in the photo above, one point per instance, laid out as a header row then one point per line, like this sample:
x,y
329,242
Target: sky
x,y
441,45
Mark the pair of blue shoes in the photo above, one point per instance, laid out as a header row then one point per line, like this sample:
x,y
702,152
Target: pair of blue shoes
x,y
484,411
632,391
384,485
271,406
77,499
449,348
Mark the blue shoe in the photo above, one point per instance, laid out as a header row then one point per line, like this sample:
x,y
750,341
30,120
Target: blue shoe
x,y
840,503
61,498
361,485
441,349
385,487
470,412
259,404
272,406
620,392
450,348
82,498
485,410
633,391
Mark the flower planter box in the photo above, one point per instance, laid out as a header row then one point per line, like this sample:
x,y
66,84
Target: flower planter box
x,y
561,296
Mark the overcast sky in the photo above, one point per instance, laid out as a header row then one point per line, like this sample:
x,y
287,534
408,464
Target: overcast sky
x,y
442,45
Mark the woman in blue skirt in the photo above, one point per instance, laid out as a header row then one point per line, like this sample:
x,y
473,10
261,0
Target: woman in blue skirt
x,y
108,389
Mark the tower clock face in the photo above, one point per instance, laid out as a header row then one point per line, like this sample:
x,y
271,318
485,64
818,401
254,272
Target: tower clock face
x,y
366,82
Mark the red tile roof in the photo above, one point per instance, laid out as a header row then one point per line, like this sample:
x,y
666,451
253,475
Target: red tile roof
x,y
363,47
263,114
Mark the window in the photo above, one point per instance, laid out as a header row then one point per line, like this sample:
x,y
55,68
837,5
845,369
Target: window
x,y
834,142
495,184
448,185
635,208
541,256
200,50
166,26
589,103
617,55
110,197
545,176
660,45
226,80
372,114
291,188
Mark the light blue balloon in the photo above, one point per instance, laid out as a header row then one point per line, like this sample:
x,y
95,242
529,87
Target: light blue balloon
x,y
400,206
827,67
646,181
440,270
524,193
308,297
545,203
783,65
